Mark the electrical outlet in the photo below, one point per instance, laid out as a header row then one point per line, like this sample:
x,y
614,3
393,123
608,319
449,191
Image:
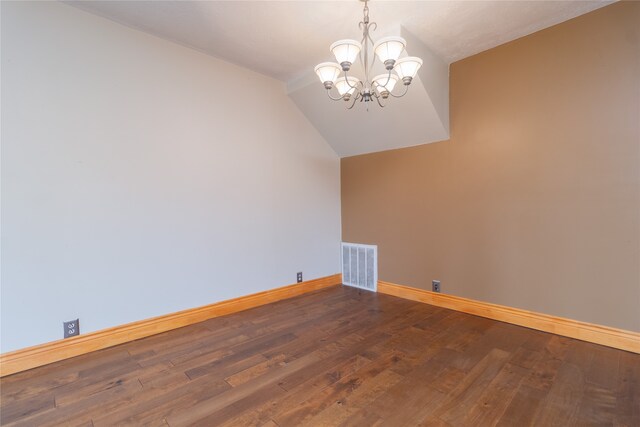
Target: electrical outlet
x,y
71,328
299,276
435,285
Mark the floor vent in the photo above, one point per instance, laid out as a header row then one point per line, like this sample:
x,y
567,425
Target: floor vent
x,y
360,266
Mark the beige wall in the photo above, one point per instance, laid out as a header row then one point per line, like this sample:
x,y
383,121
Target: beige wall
x,y
534,202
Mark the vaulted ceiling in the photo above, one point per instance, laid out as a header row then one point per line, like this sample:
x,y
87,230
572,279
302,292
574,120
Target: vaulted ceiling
x,y
285,39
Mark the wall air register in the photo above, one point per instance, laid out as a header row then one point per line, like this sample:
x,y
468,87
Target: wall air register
x,y
360,266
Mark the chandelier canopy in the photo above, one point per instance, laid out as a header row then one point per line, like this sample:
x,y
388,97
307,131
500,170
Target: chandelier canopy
x,y
380,87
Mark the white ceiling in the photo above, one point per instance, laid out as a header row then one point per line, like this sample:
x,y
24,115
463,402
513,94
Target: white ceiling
x,y
285,39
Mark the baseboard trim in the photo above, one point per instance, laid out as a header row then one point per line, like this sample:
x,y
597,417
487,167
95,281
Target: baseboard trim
x,y
604,335
43,354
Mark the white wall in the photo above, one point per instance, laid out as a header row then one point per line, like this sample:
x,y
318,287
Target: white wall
x,y
140,178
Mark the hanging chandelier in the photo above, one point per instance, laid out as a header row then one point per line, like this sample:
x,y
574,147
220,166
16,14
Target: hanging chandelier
x,y
380,87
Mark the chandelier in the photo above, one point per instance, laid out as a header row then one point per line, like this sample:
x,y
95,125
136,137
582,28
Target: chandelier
x,y
388,51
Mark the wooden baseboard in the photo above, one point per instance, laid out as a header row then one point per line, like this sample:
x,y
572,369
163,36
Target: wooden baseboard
x,y
604,335
43,354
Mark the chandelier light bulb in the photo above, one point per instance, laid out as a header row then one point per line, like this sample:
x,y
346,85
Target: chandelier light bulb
x,y
384,83
389,49
407,68
347,86
328,72
346,51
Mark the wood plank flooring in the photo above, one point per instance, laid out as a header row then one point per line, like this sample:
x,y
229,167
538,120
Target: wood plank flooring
x,y
337,357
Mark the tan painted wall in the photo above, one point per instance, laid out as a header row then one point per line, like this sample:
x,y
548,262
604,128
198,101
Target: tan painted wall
x,y
534,202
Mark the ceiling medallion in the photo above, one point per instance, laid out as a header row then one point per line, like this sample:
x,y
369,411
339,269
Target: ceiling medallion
x,y
380,87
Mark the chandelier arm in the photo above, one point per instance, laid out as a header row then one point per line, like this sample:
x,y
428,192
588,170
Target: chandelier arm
x,y
377,85
332,98
346,79
372,26
379,103
365,47
406,89
355,98
363,42
385,83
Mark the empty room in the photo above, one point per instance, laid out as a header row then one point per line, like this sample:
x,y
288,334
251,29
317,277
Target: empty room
x,y
320,213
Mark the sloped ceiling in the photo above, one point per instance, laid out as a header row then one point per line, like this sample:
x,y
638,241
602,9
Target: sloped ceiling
x,y
421,116
286,39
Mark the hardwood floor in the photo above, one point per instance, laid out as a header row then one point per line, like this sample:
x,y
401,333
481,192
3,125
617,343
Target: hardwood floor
x,y
337,357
